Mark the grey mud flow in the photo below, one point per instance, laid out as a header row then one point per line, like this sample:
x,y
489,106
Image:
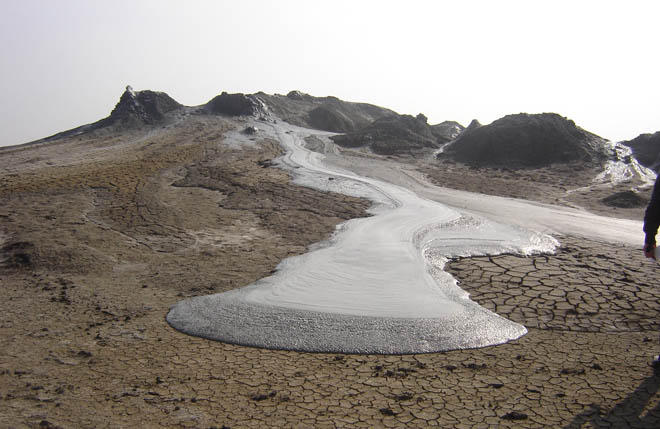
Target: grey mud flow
x,y
225,317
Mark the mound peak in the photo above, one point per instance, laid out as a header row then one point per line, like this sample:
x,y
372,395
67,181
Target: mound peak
x,y
300,96
141,107
323,113
646,149
474,124
526,140
236,105
394,134
447,131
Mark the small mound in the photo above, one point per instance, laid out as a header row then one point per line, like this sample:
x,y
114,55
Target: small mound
x,y
298,95
323,113
646,149
526,140
18,255
42,253
625,200
141,107
447,131
329,118
391,135
236,105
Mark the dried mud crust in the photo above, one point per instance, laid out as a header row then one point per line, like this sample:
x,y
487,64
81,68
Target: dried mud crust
x,y
83,351
587,286
84,343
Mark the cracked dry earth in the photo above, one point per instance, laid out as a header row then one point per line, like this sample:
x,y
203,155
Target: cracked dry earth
x,y
94,257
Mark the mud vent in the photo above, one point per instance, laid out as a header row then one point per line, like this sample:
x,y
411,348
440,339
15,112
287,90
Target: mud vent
x,y
18,255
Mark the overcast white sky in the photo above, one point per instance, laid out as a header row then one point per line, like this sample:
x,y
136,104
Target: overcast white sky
x,y
65,63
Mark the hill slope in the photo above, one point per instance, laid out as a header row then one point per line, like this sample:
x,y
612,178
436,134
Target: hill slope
x,y
526,140
323,113
236,105
395,134
646,149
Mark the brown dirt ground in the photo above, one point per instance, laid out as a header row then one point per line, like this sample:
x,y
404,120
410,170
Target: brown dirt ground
x,y
100,236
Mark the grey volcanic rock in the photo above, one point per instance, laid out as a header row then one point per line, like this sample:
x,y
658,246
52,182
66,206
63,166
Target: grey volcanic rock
x,y
328,118
250,130
473,125
141,107
300,96
236,105
323,113
394,134
447,131
646,149
525,140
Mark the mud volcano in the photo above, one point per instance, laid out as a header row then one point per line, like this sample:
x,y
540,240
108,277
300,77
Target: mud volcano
x,y
526,141
376,287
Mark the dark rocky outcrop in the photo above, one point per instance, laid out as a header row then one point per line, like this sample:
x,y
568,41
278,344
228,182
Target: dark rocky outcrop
x,y
394,134
250,130
300,96
323,113
447,131
140,108
329,118
236,105
137,108
474,124
526,140
646,149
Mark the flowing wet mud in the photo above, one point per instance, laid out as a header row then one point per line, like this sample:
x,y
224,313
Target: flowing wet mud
x,y
376,287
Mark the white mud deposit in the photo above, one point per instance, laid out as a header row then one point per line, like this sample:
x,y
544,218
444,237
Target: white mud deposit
x,y
535,216
625,168
376,287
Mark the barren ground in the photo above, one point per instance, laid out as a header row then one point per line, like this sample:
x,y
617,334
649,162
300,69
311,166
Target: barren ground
x,y
101,236
559,184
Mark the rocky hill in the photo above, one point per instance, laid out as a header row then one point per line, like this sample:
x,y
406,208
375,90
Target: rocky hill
x,y
366,125
526,140
646,149
137,108
323,113
447,131
236,105
146,108
396,134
